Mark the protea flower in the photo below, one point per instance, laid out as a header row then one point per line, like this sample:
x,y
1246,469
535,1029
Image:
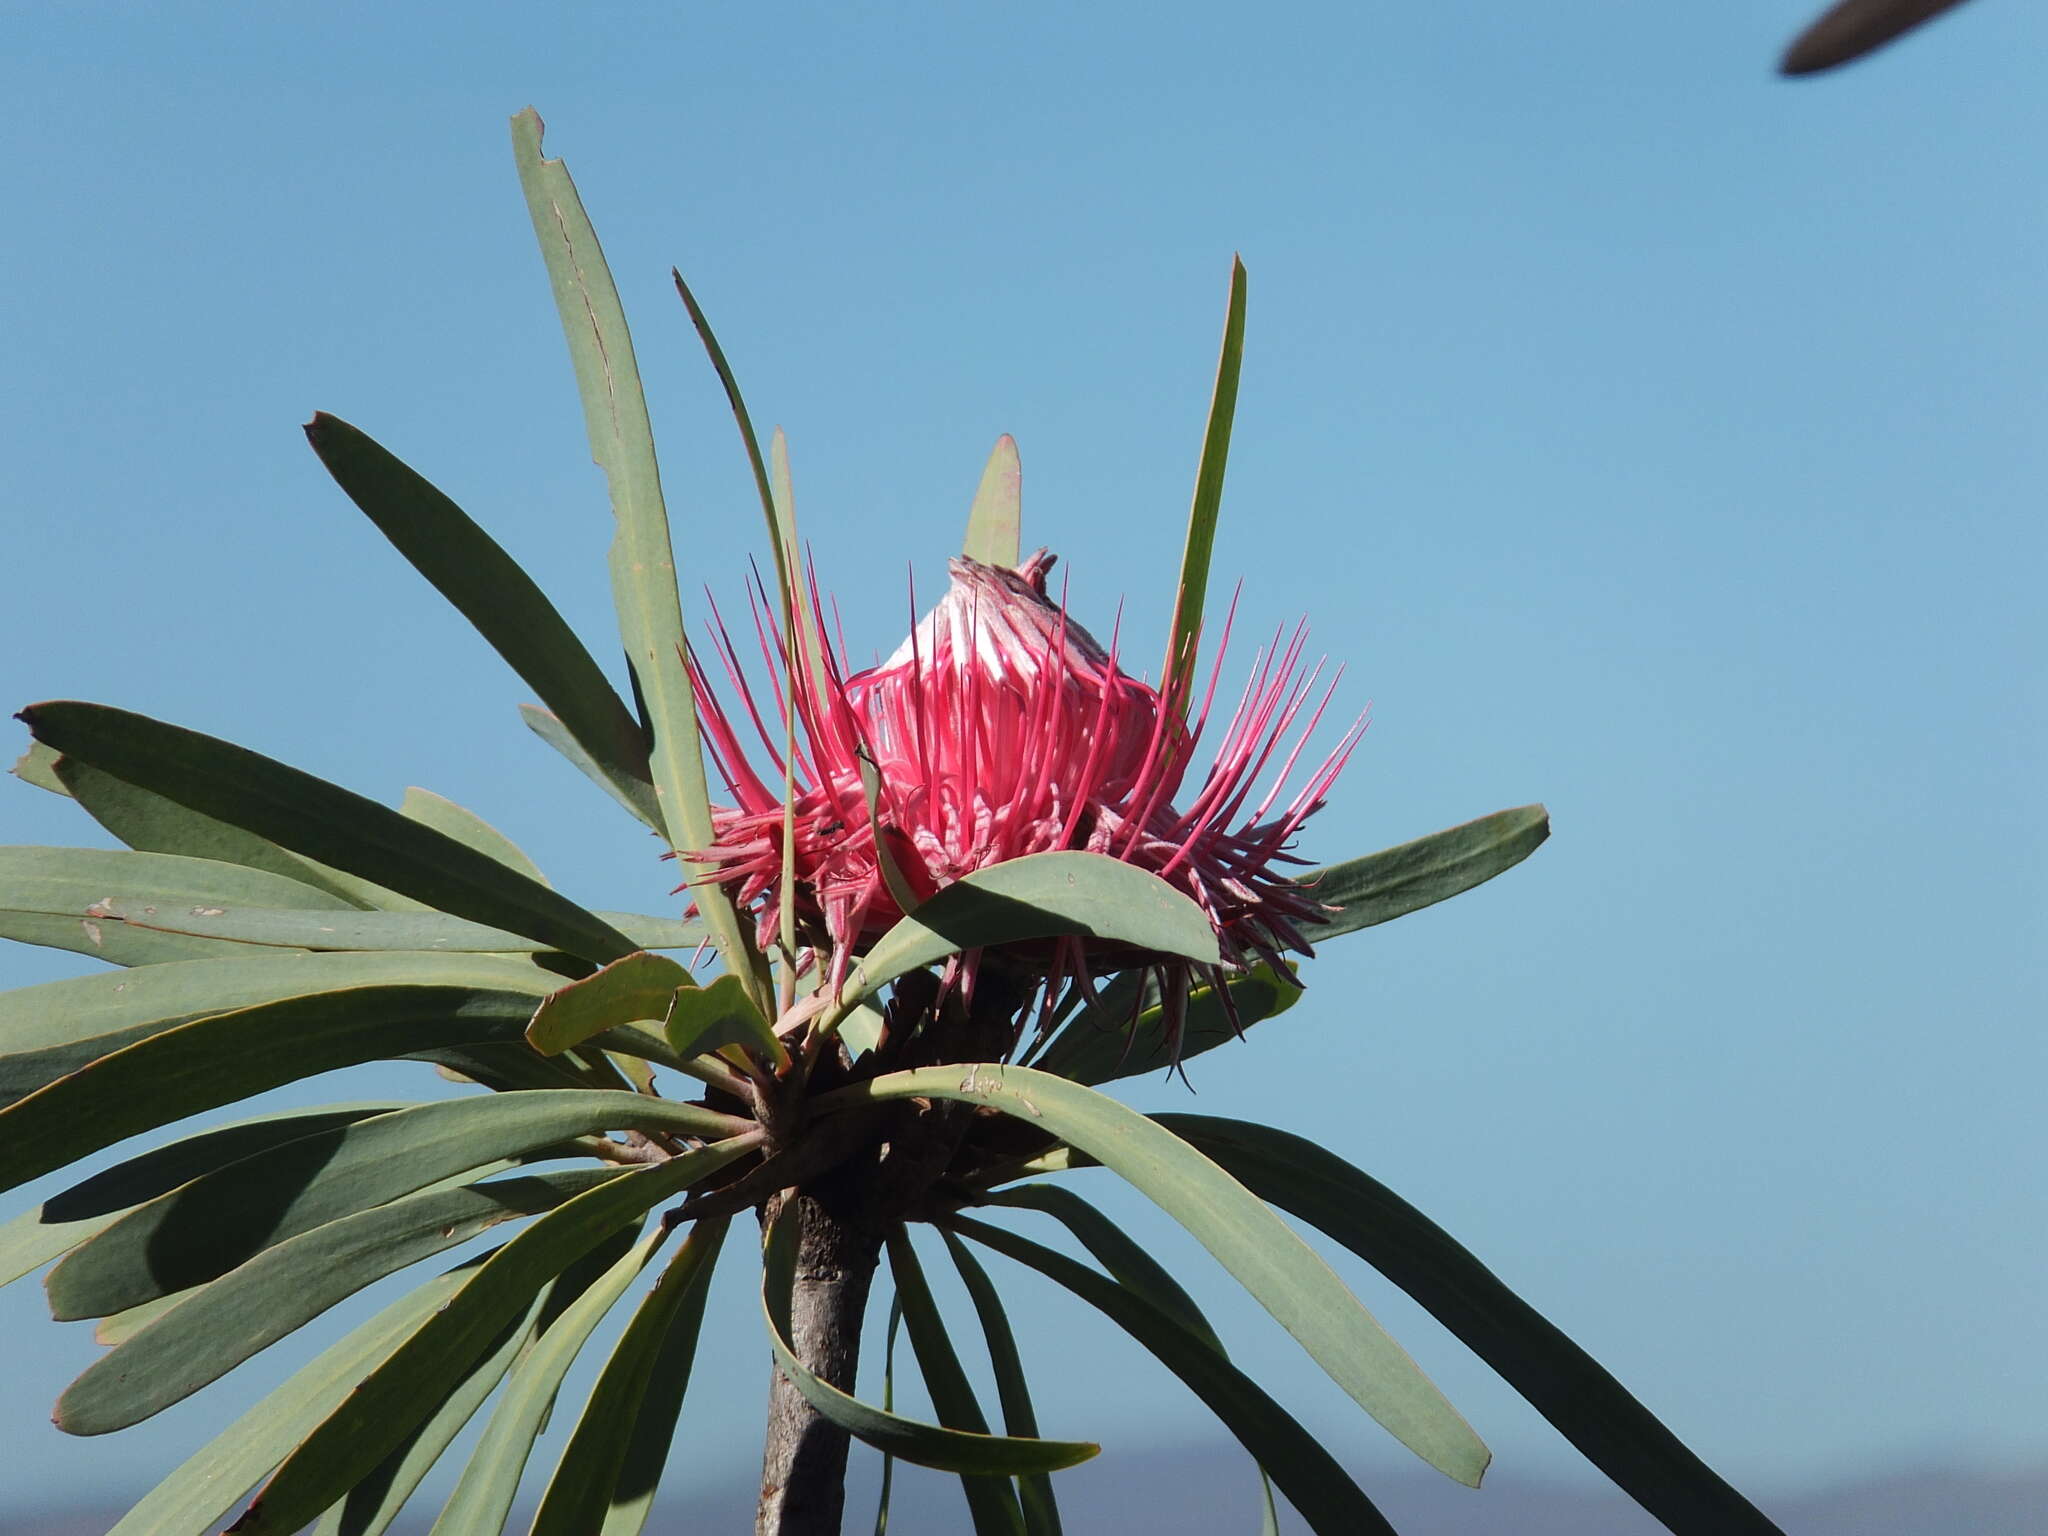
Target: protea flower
x,y
999,728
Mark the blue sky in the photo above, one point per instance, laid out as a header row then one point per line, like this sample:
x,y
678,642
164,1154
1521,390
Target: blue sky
x,y
1648,436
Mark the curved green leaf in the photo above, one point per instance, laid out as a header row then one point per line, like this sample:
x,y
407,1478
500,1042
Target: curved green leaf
x,y
465,826
1282,1273
1040,896
1396,881
490,1479
38,766
995,521
77,898
991,1501
604,1484
374,1502
206,1227
469,568
69,1217
925,1445
424,932
1310,1477
706,1018
642,556
193,1498
402,1392
286,1286
147,821
227,1057
888,1404
1179,672
638,986
1563,1383
309,816
1034,1490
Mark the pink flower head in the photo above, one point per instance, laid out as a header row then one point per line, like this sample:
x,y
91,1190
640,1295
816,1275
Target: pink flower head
x,y
1002,728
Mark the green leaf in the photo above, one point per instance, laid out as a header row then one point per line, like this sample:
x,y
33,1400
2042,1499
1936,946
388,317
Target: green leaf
x,y
1100,1043
70,1216
38,766
642,557
888,1403
231,1056
286,1286
1034,1491
1128,1264
924,1445
483,1496
429,932
706,1018
606,1478
991,1501
402,1391
375,1501
1179,672
469,568
207,1227
1566,1385
147,821
995,522
1396,881
50,1030
193,1498
638,799
465,826
1036,897
77,898
1310,1477
309,816
1282,1273
635,987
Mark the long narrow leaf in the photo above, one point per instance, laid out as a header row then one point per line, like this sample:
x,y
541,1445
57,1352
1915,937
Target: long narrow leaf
x,y
426,932
1178,673
1566,1385
465,826
606,1478
401,1392
1102,1042
1396,881
991,1501
1310,1477
639,800
996,519
289,1284
1034,1492
925,1445
469,568
642,555
1282,1273
309,816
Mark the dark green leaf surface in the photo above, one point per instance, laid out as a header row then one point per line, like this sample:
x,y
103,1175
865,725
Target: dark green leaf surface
x,y
1100,1043
642,556
192,1499
1179,673
423,932
483,1496
1037,897
147,821
995,522
1396,881
230,1056
309,816
1282,1273
469,568
706,1018
925,1445
251,1307
1310,1477
402,1392
69,1217
991,1501
1566,1385
1034,1491
604,1484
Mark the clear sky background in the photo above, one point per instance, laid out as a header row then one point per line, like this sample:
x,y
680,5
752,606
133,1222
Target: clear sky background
x,y
1648,436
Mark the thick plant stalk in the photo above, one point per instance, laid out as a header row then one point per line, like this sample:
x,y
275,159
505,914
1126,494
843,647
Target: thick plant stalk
x,y
803,1468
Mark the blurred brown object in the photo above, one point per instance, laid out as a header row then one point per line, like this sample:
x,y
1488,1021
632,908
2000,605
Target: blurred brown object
x,y
1853,28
